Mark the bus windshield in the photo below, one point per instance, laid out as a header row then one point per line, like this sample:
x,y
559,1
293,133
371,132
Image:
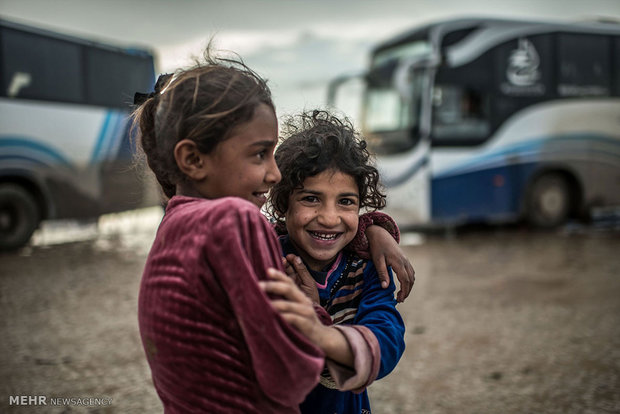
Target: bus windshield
x,y
392,101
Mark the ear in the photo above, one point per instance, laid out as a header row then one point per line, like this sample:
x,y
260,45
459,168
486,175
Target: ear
x,y
190,160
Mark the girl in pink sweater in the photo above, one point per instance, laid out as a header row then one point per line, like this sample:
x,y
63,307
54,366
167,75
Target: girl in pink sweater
x,y
212,339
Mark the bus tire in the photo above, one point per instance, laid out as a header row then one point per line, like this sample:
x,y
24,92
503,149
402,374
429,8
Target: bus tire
x,y
548,201
19,216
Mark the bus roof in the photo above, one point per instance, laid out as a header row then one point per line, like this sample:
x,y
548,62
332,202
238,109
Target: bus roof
x,y
135,51
436,31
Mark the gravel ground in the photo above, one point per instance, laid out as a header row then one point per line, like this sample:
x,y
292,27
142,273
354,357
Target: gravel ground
x,y
500,321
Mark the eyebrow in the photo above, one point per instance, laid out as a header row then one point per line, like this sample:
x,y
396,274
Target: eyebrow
x,y
265,143
313,192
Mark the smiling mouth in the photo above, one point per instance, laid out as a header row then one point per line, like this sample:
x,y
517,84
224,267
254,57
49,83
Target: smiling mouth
x,y
324,236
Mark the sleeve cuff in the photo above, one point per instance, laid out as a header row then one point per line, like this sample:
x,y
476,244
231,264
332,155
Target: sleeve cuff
x,y
322,314
367,359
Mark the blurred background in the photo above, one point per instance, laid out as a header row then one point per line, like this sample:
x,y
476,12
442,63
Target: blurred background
x,y
298,45
516,306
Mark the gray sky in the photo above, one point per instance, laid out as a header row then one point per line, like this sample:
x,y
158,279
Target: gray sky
x,y
297,44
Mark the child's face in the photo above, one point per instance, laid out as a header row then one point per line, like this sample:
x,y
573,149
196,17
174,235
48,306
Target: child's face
x,y
322,217
244,165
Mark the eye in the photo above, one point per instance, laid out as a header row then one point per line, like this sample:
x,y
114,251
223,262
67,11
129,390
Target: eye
x,y
310,199
261,155
348,201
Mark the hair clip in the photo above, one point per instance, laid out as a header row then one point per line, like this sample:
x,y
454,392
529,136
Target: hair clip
x,y
139,98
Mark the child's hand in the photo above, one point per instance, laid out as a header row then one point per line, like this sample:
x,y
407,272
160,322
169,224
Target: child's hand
x,y
386,252
296,269
292,304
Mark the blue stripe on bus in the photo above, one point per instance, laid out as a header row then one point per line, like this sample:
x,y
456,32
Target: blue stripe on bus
x,y
407,174
33,147
120,135
127,147
103,136
532,147
113,145
114,136
22,158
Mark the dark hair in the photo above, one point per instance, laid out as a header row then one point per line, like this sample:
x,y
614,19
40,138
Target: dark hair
x,y
204,103
317,141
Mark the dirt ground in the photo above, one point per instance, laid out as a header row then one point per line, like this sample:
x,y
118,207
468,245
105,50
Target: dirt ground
x,y
501,320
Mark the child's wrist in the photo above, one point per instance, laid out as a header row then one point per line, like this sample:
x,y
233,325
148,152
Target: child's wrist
x,y
326,339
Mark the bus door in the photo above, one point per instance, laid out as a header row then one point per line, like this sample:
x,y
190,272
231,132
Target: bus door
x,y
473,178
396,120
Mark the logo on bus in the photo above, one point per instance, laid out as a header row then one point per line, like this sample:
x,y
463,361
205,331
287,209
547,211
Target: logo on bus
x,y
523,71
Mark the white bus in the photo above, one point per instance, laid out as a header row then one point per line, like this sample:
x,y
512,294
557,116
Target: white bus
x,y
489,120
65,150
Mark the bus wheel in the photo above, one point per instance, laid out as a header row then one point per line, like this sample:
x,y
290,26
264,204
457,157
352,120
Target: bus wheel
x,y
19,216
548,201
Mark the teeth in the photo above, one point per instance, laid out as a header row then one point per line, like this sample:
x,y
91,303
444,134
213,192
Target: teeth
x,y
324,236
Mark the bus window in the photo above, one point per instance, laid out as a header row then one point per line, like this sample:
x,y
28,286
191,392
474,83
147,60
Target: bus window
x,y
460,103
36,67
112,78
386,111
391,120
460,114
584,65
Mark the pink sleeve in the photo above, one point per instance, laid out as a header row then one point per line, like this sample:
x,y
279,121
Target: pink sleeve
x,y
367,359
359,244
243,248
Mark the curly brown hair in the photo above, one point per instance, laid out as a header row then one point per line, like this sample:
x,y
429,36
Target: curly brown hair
x,y
204,103
316,141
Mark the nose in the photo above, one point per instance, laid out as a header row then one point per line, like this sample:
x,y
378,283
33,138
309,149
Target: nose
x,y
273,175
328,217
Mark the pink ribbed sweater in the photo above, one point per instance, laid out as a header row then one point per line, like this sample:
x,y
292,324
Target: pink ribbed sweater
x,y
212,339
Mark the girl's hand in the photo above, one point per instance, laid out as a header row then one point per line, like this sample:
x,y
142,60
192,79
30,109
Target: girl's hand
x,y
297,309
386,252
296,270
293,305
